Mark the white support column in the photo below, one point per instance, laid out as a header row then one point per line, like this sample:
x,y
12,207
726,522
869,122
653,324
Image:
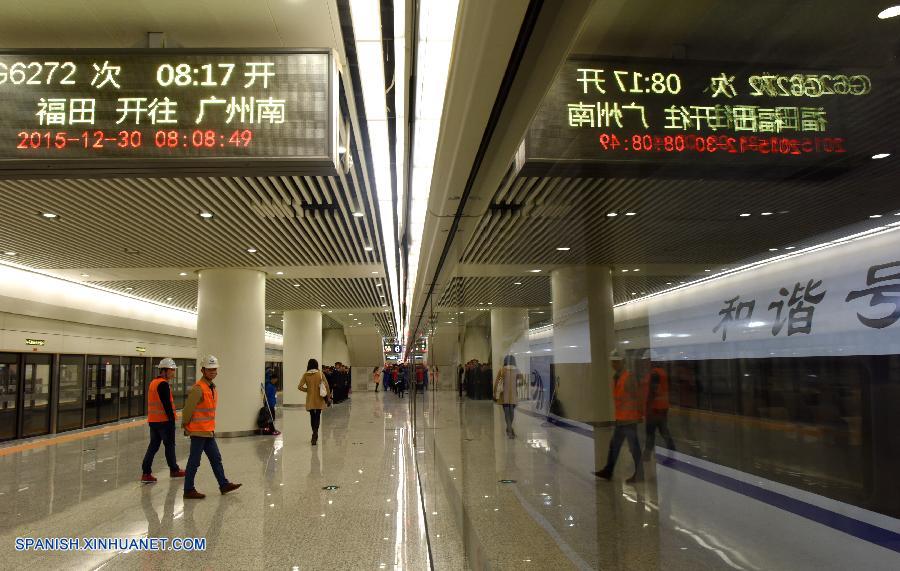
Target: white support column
x,y
302,342
509,336
231,324
583,336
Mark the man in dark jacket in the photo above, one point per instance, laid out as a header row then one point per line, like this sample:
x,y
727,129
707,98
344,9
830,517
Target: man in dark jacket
x,y
161,419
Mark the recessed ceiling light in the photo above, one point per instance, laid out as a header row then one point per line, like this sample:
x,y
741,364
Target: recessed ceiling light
x,y
564,249
9,253
330,310
630,213
279,273
251,250
623,271
358,214
368,248
375,272
517,283
182,273
350,314
168,299
85,275
765,213
296,285
49,215
534,271
378,284
205,214
634,293
611,214
789,247
875,216
891,12
881,156
744,214
668,283
707,270
773,249
323,305
490,303
635,270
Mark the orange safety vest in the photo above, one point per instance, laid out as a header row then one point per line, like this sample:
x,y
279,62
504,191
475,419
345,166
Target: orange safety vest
x,y
627,397
204,417
155,410
660,400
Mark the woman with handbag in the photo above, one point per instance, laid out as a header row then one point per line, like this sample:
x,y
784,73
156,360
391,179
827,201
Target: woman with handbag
x,y
318,395
505,389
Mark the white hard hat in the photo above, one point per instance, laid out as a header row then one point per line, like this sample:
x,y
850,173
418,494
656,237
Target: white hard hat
x,y
615,356
167,363
210,362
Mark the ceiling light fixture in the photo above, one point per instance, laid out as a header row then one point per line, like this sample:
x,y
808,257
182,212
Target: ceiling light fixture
x,y
534,271
891,12
50,215
789,247
168,299
129,289
635,270
251,250
205,214
368,248
358,214
296,285
182,274
85,275
875,216
765,213
9,253
744,214
323,305
611,214
279,273
564,249
630,213
517,283
881,156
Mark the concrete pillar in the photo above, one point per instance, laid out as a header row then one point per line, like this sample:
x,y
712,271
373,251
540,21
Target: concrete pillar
x,y
231,324
302,342
509,336
583,336
334,347
476,344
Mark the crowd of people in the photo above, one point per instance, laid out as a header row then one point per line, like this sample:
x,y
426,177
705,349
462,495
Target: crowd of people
x,y
396,377
475,379
338,377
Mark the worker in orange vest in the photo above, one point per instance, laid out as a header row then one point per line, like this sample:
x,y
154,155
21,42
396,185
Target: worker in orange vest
x,y
629,403
161,419
656,382
198,418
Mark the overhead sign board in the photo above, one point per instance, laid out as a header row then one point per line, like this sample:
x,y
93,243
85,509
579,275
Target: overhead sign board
x,y
159,108
667,112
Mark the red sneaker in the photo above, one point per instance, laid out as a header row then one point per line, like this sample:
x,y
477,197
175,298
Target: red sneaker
x,y
177,474
148,478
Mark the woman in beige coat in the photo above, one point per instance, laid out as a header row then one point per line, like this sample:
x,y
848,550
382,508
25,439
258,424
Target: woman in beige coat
x,y
310,382
505,391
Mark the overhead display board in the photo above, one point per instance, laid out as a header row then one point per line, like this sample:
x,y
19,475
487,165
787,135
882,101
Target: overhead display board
x,y
168,107
684,112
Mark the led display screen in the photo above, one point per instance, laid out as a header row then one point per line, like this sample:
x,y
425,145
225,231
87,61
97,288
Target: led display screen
x,y
167,104
627,111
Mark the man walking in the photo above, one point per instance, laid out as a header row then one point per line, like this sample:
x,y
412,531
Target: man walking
x,y
657,383
198,418
629,405
161,419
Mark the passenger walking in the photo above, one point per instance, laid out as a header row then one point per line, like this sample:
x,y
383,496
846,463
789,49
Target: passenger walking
x,y
657,383
271,401
318,395
629,406
376,377
198,418
161,419
505,391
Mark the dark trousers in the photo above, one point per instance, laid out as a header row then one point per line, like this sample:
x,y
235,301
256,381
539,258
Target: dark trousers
x,y
658,420
623,432
509,411
315,418
161,433
200,445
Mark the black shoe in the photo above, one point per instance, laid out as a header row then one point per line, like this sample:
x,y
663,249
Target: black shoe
x,y
315,438
605,474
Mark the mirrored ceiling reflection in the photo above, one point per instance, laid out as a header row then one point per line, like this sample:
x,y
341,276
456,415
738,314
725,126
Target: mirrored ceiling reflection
x,y
692,261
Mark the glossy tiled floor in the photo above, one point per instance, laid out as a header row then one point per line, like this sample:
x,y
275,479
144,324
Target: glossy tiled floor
x,y
280,519
478,500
